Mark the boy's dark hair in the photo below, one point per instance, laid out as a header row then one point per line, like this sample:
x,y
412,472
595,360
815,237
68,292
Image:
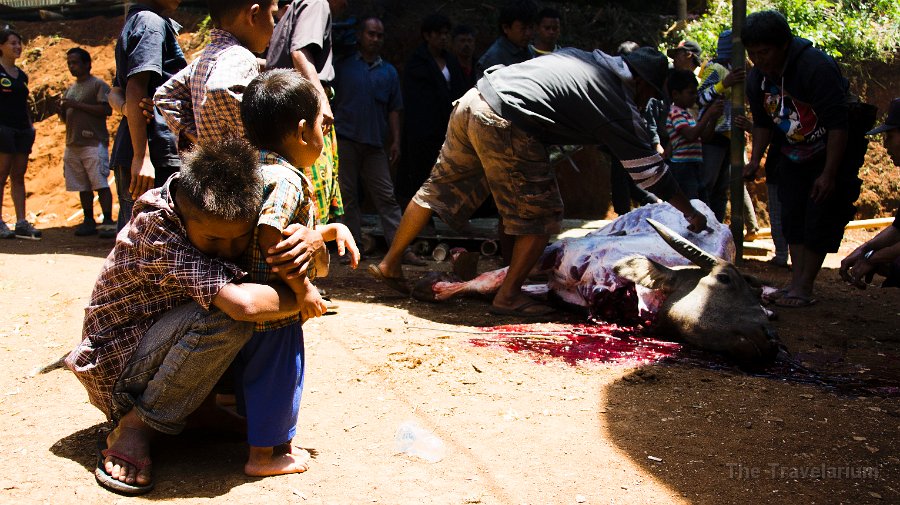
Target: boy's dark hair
x,y
525,11
221,10
273,105
463,30
6,33
222,179
81,53
548,12
680,80
766,27
435,22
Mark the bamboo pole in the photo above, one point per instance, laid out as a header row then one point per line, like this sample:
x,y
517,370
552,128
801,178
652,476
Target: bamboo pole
x,y
738,14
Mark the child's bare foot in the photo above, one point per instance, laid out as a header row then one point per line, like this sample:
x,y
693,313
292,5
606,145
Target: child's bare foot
x,y
127,457
267,461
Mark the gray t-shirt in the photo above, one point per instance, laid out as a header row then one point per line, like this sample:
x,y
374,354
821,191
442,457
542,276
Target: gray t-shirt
x,y
579,97
82,128
305,25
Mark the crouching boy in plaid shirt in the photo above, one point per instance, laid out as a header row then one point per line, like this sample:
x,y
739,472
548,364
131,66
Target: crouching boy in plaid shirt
x,y
167,315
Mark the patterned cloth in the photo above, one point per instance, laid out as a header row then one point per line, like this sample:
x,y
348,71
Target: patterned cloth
x,y
324,177
711,89
683,150
287,199
152,269
204,99
485,154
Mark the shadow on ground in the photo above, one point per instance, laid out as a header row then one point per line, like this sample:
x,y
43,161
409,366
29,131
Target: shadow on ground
x,y
195,464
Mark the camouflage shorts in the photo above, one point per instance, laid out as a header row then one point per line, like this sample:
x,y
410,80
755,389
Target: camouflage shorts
x,y
483,155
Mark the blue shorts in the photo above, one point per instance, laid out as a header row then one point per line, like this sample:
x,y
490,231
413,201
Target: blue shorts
x,y
268,384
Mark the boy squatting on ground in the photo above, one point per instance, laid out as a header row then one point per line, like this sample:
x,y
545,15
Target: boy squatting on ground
x,y
83,108
202,103
282,117
685,133
167,317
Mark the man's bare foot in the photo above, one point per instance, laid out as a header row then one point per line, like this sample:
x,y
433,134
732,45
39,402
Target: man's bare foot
x,y
128,451
279,460
521,305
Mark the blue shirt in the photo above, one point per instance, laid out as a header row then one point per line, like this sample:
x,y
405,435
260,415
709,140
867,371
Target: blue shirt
x,y
501,52
148,43
364,96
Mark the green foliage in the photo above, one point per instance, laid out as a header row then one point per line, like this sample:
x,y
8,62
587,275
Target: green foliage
x,y
850,30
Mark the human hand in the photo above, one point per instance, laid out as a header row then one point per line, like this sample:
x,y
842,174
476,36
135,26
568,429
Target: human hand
x,y
848,263
327,115
696,220
146,106
291,256
822,188
750,169
345,244
394,153
734,77
312,305
64,103
742,122
716,109
143,176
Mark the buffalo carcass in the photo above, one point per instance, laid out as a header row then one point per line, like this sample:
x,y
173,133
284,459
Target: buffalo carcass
x,y
640,268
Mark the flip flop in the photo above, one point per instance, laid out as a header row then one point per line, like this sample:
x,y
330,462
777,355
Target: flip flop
x,y
107,481
797,303
774,296
520,310
396,283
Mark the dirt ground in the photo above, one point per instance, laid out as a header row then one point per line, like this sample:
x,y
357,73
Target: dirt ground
x,y
527,418
521,421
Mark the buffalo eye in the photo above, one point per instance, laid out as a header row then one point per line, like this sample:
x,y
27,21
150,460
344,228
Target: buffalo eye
x,y
723,278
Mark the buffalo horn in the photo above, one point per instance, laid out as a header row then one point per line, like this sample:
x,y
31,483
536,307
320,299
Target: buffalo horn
x,y
684,247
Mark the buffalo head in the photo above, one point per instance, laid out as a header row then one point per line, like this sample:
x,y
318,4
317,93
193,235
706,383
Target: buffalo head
x,y
711,305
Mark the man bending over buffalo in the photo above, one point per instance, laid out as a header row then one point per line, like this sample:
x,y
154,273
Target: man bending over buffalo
x,y
496,145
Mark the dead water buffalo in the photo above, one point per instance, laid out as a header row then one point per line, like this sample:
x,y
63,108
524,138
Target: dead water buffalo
x,y
639,268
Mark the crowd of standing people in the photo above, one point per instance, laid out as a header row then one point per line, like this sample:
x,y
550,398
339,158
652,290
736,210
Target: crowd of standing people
x,y
234,170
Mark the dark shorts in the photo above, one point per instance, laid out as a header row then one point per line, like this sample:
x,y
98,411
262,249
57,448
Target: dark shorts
x,y
15,140
820,227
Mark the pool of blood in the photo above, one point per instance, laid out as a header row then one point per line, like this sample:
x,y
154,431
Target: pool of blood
x,y
599,342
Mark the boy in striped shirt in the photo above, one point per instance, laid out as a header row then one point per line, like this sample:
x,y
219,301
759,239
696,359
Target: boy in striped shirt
x,y
685,133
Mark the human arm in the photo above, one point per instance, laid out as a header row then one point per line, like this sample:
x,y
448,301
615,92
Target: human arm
x,y
173,100
835,145
303,62
857,270
142,171
257,302
311,303
705,124
342,237
761,139
394,124
100,109
293,253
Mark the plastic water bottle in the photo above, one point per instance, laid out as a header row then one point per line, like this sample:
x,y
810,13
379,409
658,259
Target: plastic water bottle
x,y
417,441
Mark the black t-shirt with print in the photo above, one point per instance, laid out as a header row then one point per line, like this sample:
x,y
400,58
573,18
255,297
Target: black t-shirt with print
x,y
14,100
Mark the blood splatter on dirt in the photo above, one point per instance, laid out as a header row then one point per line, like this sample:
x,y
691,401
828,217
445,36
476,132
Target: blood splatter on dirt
x,y
576,344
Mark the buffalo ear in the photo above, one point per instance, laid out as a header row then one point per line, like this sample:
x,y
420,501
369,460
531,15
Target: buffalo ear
x,y
646,272
753,281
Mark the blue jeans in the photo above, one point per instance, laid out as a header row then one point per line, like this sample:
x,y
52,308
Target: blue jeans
x,y
177,364
690,178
